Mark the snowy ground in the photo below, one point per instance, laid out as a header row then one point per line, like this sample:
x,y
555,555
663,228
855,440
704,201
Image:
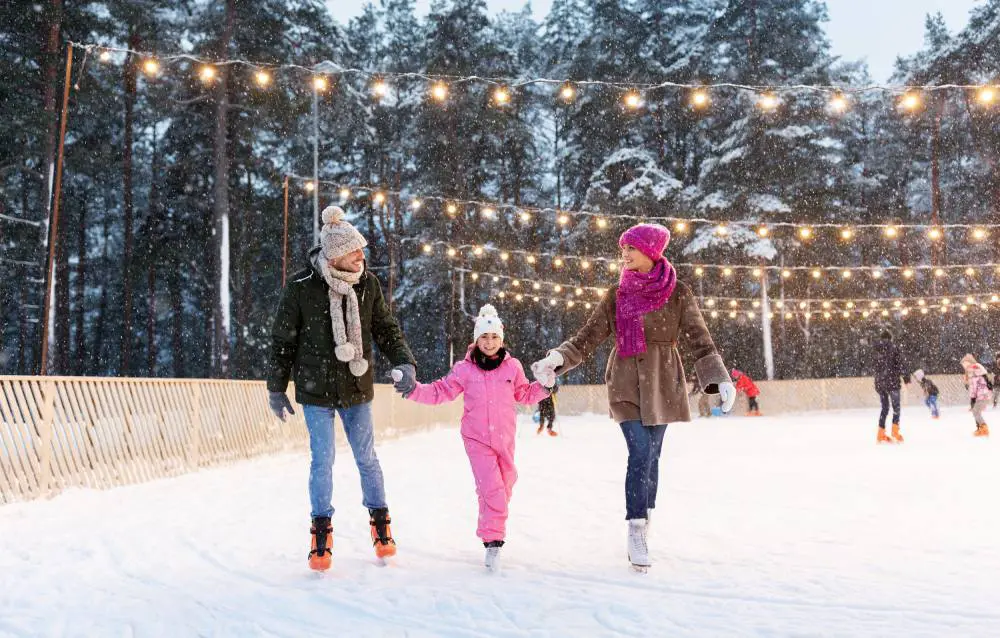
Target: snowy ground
x,y
791,526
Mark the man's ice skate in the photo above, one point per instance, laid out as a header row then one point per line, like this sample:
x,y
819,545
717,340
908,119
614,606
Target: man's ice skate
x,y
982,430
896,436
540,428
320,555
883,437
385,546
638,551
493,555
553,433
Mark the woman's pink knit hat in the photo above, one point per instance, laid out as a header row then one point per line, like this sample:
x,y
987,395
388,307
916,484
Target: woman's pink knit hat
x,y
649,239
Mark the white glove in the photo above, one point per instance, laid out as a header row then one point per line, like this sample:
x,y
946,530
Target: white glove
x,y
727,392
545,369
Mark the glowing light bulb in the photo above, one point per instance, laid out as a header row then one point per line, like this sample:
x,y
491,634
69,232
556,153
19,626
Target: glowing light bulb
x,y
763,231
428,248
970,272
877,274
320,83
345,194
846,234
504,256
380,89
979,233
838,103
910,101
207,73
488,213
939,272
986,95
379,198
563,220
935,233
602,223
908,273
439,91
726,272
722,230
477,251
806,232
105,56
525,216
536,286
768,102
850,305
891,232
699,99
557,262
262,78
680,227
699,271
452,252
846,274
452,209
416,204
613,266
310,186
567,93
501,96
151,67
816,274
757,272
584,264
475,276
633,100
531,259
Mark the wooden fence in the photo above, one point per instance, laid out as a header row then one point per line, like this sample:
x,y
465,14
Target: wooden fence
x,y
64,432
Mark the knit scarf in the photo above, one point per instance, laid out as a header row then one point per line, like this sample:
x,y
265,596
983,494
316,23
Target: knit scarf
x,y
638,294
346,330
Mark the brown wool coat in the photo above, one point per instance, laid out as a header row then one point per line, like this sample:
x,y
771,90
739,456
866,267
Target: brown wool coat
x,y
651,386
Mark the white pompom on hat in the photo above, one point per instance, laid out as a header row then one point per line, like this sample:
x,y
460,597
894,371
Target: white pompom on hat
x,y
488,321
337,237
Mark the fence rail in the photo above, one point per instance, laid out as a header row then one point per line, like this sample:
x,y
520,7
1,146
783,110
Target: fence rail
x,y
64,432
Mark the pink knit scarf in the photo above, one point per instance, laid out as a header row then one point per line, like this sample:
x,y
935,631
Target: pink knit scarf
x,y
638,294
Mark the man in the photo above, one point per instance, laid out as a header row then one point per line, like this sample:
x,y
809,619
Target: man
x,y
888,371
328,317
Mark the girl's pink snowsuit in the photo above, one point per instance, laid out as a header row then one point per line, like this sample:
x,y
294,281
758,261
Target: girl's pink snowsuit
x,y
488,428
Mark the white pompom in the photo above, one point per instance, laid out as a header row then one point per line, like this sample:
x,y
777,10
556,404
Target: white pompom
x,y
359,367
397,375
344,352
488,311
333,215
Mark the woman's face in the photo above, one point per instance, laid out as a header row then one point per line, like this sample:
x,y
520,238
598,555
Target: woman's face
x,y
632,259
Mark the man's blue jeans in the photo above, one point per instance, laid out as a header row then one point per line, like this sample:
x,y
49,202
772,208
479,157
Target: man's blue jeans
x,y
931,402
360,433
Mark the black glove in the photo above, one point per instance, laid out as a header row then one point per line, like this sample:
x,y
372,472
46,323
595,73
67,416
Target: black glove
x,y
279,403
407,381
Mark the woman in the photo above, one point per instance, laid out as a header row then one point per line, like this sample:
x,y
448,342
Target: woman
x,y
647,312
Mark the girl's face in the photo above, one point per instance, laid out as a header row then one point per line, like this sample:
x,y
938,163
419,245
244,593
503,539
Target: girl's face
x,y
632,259
489,343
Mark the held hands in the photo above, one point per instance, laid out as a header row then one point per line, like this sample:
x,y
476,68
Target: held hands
x,y
278,401
404,379
545,369
727,392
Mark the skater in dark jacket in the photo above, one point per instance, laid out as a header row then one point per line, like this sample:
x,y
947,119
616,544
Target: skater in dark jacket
x,y
547,412
930,393
888,362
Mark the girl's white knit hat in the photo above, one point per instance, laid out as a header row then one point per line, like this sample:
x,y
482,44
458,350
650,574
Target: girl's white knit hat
x,y
488,321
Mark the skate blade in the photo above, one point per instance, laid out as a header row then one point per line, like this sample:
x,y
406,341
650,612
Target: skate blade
x,y
640,569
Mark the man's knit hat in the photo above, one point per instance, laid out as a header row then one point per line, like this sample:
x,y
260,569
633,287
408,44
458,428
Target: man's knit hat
x,y
488,321
337,237
918,375
649,239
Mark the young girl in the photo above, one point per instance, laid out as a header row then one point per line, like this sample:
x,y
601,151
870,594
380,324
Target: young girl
x,y
494,383
979,392
930,393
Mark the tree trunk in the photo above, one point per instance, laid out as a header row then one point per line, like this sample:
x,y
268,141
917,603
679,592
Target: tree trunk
x,y
50,72
177,323
151,351
100,325
220,211
128,208
80,296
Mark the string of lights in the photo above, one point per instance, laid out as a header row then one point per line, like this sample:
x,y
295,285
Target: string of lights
x,y
560,260
534,285
847,311
633,94
804,231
